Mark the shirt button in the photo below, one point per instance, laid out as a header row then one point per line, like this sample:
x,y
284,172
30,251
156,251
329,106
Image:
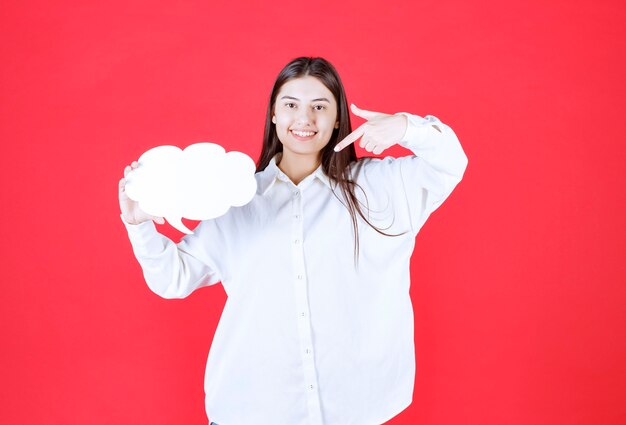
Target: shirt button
x,y
296,217
310,387
307,351
302,314
296,193
296,241
300,277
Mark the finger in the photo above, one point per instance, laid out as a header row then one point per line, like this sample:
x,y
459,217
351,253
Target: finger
x,y
364,141
368,115
127,170
158,220
350,138
370,145
123,196
378,150
134,165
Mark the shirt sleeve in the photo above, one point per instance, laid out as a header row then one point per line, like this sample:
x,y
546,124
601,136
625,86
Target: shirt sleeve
x,y
437,165
173,270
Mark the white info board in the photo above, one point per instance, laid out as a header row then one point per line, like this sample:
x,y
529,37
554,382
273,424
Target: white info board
x,y
198,183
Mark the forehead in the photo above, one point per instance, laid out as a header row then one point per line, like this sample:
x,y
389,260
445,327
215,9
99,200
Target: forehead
x,y
305,89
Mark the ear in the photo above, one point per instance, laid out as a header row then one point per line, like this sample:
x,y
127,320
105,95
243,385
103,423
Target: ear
x,y
337,124
274,119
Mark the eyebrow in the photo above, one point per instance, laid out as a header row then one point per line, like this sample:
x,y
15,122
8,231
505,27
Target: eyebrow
x,y
314,100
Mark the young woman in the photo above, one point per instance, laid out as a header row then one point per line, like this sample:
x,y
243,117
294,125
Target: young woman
x,y
318,324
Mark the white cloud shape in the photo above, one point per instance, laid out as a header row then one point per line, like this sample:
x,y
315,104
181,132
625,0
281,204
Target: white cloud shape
x,y
198,183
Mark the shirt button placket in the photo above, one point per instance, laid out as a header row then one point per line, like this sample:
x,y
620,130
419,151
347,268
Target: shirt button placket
x,y
302,304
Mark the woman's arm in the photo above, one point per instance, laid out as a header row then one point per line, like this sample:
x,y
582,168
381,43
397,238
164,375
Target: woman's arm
x,y
421,181
437,166
170,270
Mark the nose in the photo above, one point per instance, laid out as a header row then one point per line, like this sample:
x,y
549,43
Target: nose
x,y
304,116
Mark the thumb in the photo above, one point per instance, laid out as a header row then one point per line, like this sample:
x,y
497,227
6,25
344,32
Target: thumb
x,y
368,115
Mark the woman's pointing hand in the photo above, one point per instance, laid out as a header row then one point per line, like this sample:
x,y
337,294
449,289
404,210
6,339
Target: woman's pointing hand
x,y
379,132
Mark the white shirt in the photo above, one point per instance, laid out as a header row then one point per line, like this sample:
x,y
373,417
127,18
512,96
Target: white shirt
x,y
306,338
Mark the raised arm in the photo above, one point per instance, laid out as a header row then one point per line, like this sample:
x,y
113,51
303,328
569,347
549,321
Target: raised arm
x,y
436,167
170,270
426,178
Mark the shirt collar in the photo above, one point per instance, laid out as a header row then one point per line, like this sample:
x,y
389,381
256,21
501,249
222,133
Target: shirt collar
x,y
272,173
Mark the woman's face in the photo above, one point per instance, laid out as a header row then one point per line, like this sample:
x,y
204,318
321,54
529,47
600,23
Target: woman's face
x,y
305,114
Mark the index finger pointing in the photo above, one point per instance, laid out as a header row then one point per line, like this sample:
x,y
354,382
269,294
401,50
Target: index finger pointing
x,y
350,138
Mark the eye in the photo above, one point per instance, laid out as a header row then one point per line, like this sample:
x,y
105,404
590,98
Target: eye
x,y
319,107
290,105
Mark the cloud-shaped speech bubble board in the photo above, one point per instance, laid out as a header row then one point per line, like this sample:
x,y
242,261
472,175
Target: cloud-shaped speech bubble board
x,y
198,183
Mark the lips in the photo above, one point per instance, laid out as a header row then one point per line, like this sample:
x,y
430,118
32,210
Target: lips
x,y
303,135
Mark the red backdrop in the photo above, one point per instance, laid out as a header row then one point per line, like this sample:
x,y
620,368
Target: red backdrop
x,y
518,281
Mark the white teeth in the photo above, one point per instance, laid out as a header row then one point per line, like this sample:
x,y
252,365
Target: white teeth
x,y
303,133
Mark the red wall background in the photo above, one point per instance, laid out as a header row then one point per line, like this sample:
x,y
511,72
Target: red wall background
x,y
519,280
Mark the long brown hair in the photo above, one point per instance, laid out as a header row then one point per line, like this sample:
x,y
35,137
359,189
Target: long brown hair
x,y
335,164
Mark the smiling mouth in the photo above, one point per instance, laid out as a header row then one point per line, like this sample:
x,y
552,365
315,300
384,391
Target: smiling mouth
x,y
303,134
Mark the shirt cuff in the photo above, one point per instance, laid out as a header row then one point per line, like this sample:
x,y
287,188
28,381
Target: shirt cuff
x,y
144,237
419,130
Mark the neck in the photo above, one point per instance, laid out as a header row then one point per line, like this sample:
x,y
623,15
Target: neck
x,y
297,167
